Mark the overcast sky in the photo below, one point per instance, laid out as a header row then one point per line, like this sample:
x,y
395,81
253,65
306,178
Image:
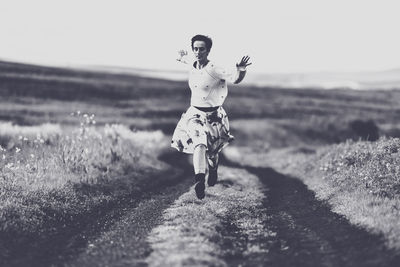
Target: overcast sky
x,y
279,35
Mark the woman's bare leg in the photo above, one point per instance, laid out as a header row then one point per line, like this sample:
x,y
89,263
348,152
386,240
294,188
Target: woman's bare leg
x,y
200,166
199,159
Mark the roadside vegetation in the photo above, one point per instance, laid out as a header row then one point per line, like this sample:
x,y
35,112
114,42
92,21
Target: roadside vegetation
x,y
53,176
359,179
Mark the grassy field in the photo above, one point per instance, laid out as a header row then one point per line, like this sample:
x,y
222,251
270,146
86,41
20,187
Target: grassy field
x,y
53,176
32,95
57,165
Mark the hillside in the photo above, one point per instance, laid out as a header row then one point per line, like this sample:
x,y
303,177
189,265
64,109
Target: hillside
x,y
88,177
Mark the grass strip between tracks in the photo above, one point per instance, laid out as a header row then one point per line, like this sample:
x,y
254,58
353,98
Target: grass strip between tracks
x,y
189,235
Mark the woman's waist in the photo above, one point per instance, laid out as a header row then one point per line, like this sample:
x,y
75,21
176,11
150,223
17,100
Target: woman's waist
x,y
207,109
206,104
205,112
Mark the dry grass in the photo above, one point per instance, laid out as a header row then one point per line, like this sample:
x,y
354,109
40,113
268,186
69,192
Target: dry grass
x,y
43,169
362,181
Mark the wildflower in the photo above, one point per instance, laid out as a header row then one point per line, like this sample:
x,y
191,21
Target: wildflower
x,y
17,150
25,139
94,122
4,157
20,137
2,149
9,165
32,156
78,112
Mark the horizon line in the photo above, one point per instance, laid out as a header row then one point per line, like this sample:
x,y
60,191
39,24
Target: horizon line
x,y
103,67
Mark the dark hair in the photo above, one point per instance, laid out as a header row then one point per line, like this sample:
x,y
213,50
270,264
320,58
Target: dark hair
x,y
203,38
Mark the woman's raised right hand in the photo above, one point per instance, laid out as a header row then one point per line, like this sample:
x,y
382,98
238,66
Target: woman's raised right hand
x,y
181,54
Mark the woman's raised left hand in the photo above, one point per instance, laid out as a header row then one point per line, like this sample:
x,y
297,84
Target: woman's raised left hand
x,y
244,62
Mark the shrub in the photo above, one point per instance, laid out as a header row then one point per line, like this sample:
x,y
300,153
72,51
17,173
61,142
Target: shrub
x,y
366,130
374,166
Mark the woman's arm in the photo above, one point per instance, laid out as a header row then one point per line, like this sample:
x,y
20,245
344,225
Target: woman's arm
x,y
241,69
232,76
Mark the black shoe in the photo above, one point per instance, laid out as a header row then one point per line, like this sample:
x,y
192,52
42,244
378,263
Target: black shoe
x,y
200,187
212,176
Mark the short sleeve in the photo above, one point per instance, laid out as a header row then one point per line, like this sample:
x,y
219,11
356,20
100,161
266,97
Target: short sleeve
x,y
221,73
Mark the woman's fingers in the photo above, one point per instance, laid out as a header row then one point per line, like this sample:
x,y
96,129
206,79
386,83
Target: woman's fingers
x,y
244,61
182,52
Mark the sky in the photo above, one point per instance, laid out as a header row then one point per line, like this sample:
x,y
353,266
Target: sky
x,y
278,35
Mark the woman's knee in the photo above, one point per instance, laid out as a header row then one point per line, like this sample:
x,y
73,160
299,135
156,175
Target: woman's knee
x,y
200,147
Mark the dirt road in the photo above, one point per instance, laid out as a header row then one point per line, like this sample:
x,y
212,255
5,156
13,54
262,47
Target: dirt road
x,y
252,217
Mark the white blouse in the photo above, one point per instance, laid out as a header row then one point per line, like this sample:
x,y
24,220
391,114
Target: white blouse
x,y
209,84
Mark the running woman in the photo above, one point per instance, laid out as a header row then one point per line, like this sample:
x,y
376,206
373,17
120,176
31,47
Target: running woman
x,y
203,129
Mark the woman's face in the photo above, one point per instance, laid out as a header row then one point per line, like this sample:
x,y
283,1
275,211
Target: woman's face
x,y
200,50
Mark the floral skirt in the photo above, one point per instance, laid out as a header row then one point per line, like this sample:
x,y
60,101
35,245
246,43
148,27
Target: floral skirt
x,y
197,127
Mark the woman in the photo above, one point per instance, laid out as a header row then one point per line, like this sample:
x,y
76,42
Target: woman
x,y
203,129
